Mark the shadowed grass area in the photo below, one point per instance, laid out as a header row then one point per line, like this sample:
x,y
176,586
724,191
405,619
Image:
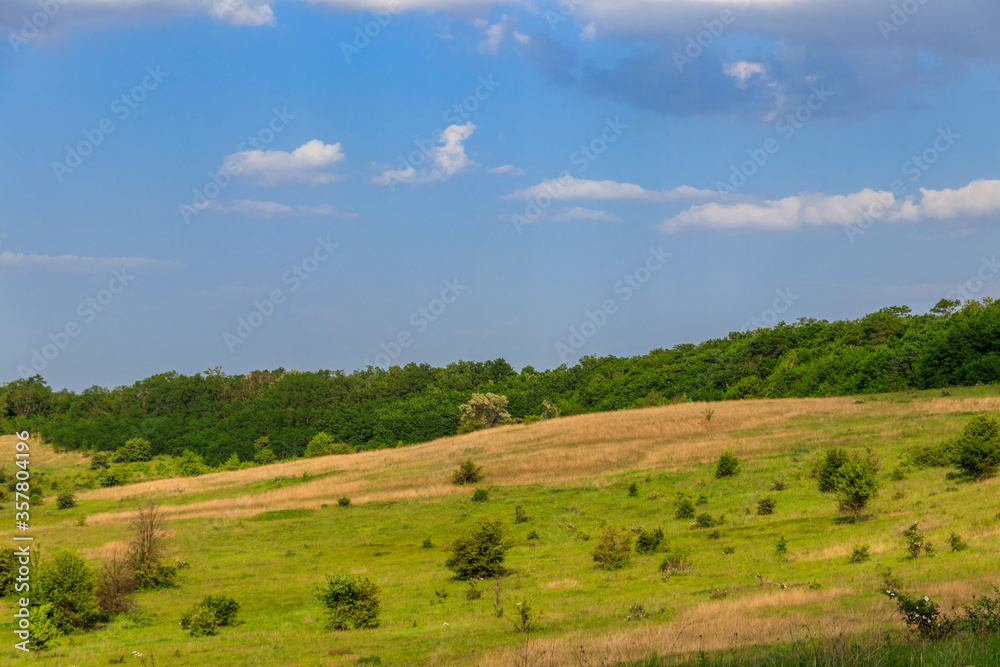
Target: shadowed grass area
x,y
267,536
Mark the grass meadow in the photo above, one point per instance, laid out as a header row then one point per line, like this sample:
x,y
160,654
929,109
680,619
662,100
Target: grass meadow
x,y
268,535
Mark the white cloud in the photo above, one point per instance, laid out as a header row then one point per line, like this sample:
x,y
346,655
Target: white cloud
x,y
447,159
234,12
494,35
589,32
574,188
580,213
267,210
306,164
507,169
811,209
242,12
743,70
82,264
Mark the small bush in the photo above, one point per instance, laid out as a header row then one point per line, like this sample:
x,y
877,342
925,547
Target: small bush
x,y
956,542
110,478
673,562
44,631
977,447
708,414
466,473
351,601
702,499
922,616
66,501
899,473
859,554
480,553
212,613
766,506
519,515
728,465
704,520
983,615
781,547
779,485
474,591
649,541
613,549
685,508
427,543
633,490
856,484
67,583
480,496
915,541
533,535
728,550
115,584
99,461
344,501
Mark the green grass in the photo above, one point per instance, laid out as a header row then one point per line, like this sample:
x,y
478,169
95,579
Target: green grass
x,y
272,563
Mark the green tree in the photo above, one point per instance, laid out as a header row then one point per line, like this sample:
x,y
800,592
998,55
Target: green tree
x,y
480,552
856,483
486,409
322,444
136,449
728,465
190,464
613,550
976,450
66,582
829,466
263,454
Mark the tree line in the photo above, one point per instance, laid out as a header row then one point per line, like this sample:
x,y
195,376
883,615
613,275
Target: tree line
x,y
217,415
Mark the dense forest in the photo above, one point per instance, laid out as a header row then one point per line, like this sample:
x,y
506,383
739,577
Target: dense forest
x,y
216,415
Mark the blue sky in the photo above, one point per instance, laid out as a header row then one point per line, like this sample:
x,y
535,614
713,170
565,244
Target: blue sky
x,y
528,180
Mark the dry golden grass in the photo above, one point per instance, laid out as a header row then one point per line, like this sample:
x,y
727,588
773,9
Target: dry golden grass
x,y
547,453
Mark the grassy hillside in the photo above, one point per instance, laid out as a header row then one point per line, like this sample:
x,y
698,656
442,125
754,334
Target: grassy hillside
x,y
268,535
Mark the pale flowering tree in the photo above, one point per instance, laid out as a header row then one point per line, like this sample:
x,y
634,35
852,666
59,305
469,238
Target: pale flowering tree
x,y
485,409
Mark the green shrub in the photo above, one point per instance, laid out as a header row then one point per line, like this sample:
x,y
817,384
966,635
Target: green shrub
x,y
474,591
66,501
702,499
976,450
323,444
704,520
781,547
343,501
519,515
44,630
649,541
613,550
212,613
674,561
66,582
915,541
480,496
922,616
728,465
956,542
190,464
99,461
480,552
134,450
728,551
685,508
633,490
982,616
351,601
427,543
115,477
899,473
856,483
467,473
766,506
859,554
533,535
828,467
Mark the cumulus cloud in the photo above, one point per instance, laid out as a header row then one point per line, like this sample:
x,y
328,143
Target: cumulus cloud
x,y
812,209
82,264
308,164
569,187
447,160
234,12
494,35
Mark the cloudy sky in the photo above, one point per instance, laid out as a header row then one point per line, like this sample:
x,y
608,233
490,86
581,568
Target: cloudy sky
x,y
330,184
